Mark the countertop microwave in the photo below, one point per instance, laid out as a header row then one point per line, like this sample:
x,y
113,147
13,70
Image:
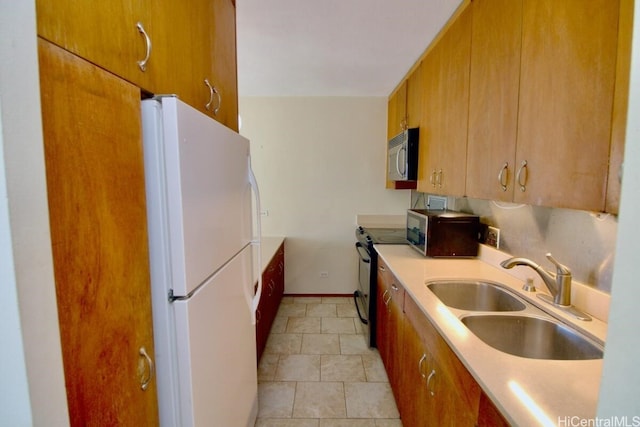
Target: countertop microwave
x,y
443,233
402,162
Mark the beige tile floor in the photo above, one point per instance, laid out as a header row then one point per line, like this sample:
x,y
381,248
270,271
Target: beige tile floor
x,y
317,370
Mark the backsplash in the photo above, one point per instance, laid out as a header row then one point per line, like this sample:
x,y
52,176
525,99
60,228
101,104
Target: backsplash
x,y
583,241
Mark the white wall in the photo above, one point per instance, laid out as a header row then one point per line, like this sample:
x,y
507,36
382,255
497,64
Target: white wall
x,y
24,227
319,162
620,386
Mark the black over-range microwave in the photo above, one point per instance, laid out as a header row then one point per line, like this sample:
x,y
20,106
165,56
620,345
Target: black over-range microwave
x,y
443,233
402,162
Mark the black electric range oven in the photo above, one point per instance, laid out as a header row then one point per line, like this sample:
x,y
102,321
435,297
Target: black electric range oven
x,y
365,296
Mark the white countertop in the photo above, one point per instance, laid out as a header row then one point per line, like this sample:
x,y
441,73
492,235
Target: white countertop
x,y
269,247
527,391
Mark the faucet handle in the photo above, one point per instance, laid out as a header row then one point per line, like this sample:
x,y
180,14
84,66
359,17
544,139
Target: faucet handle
x,y
560,268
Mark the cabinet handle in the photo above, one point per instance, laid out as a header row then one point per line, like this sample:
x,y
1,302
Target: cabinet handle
x,y
258,316
212,91
147,40
420,362
432,178
394,287
429,379
145,381
503,176
522,175
271,287
384,299
281,267
439,178
382,268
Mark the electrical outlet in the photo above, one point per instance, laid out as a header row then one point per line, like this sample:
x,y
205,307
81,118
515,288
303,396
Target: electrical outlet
x,y
324,274
493,237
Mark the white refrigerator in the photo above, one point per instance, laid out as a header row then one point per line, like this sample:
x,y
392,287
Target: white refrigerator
x,y
201,196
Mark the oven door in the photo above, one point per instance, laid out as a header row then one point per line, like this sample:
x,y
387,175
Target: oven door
x,y
361,295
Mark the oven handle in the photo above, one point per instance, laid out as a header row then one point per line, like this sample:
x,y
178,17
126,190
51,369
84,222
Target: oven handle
x,y
356,295
364,254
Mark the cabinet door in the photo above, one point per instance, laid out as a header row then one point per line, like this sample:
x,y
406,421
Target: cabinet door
x,y
620,102
103,32
390,300
445,110
566,96
416,406
98,219
493,98
454,393
415,90
397,111
224,74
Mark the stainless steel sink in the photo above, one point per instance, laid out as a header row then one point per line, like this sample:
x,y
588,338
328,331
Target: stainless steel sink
x,y
475,295
532,337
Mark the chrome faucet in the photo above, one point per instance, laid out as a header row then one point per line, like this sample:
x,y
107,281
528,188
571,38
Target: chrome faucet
x,y
559,285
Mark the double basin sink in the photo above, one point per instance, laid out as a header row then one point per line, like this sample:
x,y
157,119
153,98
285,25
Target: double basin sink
x,y
534,334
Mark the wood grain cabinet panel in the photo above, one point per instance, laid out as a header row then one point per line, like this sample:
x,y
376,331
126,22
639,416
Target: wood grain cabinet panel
x,y
443,144
390,299
493,98
98,219
397,111
620,102
567,81
272,292
189,44
415,92
452,394
102,32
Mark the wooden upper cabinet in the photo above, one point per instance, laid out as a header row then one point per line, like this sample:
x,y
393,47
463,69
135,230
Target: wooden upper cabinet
x,y
397,111
415,91
445,108
620,102
224,74
98,219
566,96
493,98
189,44
103,32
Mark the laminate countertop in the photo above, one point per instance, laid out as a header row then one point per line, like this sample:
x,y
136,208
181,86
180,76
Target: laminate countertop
x,y
528,392
269,247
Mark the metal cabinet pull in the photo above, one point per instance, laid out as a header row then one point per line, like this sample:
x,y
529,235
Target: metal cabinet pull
x,y
503,176
145,381
431,388
439,178
272,285
382,268
212,91
432,178
384,295
521,177
420,362
143,63
394,287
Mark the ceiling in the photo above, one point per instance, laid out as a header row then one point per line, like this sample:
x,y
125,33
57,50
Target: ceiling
x,y
332,47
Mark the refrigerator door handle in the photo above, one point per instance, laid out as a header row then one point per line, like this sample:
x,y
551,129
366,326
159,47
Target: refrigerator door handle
x,y
257,241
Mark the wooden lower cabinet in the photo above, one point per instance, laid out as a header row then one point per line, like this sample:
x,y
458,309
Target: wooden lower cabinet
x,y
489,415
446,392
272,292
430,384
390,298
97,213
